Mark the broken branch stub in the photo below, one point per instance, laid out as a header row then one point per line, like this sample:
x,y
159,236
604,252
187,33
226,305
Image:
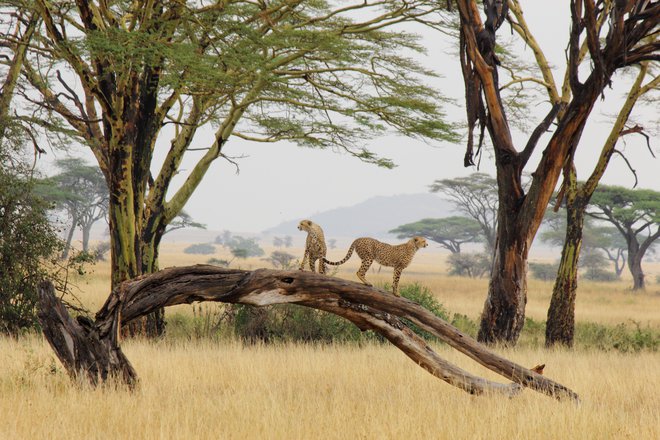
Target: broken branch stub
x,y
96,353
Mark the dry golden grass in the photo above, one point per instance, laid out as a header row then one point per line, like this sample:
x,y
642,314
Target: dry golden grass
x,y
201,390
225,390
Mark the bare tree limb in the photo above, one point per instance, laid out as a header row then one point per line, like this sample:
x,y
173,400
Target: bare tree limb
x,y
91,349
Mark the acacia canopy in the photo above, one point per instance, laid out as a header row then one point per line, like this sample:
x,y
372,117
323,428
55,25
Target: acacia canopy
x,y
149,86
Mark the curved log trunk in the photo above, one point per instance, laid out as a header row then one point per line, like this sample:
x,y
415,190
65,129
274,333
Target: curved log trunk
x,y
366,307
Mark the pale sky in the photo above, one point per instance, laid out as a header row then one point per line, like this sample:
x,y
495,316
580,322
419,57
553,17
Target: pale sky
x,y
279,182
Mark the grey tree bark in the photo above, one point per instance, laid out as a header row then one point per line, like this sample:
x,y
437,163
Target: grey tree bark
x,y
91,351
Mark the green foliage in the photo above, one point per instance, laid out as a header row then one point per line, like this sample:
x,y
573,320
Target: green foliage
x,y
543,271
27,242
625,338
449,232
469,264
200,249
465,324
475,196
281,260
241,247
80,190
293,323
100,250
424,297
598,274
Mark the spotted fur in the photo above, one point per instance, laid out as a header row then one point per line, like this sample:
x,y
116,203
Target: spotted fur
x,y
315,248
370,250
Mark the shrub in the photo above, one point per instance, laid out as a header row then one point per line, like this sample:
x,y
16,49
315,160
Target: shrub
x,y
543,271
621,337
423,296
281,260
301,324
469,264
598,274
100,250
244,247
465,324
200,248
27,241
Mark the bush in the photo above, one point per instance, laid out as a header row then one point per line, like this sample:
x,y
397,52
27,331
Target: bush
x,y
281,260
544,271
292,323
423,296
27,240
597,274
469,265
244,247
100,250
623,338
200,249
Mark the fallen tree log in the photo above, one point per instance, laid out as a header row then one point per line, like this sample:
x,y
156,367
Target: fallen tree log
x,y
90,350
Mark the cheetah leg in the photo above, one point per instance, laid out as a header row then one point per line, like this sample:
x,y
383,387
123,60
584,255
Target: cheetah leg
x,y
363,270
395,282
311,264
321,266
302,263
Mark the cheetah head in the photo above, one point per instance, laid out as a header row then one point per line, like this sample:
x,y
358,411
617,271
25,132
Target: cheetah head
x,y
420,242
304,225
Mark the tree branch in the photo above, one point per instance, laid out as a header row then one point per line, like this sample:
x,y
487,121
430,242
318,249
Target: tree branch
x,y
365,306
559,106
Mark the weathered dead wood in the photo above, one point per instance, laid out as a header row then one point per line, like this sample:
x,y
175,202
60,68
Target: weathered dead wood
x,y
92,350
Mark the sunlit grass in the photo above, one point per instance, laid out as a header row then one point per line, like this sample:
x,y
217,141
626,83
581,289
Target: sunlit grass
x,y
203,390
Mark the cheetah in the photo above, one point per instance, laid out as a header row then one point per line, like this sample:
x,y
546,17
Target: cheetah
x,y
370,250
315,248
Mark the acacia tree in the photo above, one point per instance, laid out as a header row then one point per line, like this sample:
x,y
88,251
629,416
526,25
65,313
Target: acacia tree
x,y
636,215
594,238
22,27
560,324
448,232
80,190
475,196
318,74
614,35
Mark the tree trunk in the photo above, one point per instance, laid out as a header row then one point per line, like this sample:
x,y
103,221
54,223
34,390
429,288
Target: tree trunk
x,y
86,229
560,326
69,237
503,316
635,266
91,351
131,256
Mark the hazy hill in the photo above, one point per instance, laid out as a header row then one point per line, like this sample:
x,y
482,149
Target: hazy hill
x,y
373,217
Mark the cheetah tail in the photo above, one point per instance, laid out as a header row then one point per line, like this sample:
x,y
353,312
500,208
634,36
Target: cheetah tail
x,y
348,255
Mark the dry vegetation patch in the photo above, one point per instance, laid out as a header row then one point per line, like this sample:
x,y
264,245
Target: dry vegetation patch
x,y
227,390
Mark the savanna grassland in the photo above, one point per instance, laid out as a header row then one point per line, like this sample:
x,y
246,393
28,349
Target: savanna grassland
x,y
202,388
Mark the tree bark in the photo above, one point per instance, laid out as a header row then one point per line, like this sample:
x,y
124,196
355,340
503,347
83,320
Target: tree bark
x,y
635,266
91,351
560,326
520,213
